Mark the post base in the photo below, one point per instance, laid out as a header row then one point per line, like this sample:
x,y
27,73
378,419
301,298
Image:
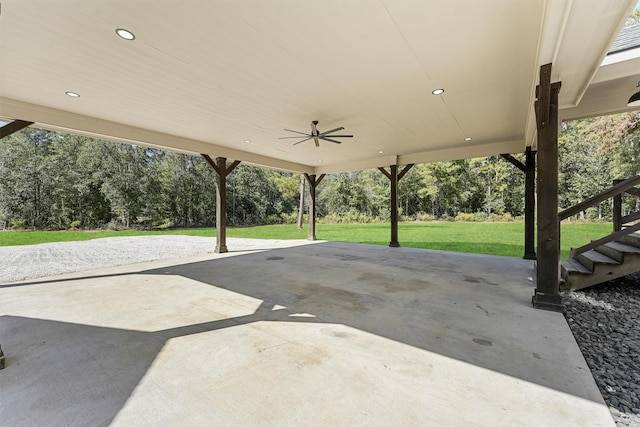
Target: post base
x,y
394,244
221,249
550,302
531,255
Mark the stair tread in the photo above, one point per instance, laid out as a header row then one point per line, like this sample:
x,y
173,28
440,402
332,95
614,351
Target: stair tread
x,y
621,247
573,265
595,256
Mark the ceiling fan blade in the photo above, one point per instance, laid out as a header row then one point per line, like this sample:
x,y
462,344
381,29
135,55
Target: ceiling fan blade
x,y
332,130
289,137
295,131
331,140
315,139
306,139
340,136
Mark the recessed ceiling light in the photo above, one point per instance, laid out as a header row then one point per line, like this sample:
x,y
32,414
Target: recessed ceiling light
x,y
125,34
380,152
73,94
438,91
247,141
319,161
467,139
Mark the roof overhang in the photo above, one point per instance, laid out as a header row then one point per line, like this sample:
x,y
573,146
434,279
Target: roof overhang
x,y
206,77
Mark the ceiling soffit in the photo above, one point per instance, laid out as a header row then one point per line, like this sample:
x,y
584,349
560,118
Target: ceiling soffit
x,y
226,78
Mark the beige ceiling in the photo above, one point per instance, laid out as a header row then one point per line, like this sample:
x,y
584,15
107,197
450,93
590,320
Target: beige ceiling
x,y
207,76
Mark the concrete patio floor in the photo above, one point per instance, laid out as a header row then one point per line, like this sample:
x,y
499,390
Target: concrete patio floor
x,y
296,334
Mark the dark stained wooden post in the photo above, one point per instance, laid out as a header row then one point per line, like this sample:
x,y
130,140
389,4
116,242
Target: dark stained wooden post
x,y
313,184
394,177
529,199
13,127
394,207
221,170
221,206
617,208
547,293
529,204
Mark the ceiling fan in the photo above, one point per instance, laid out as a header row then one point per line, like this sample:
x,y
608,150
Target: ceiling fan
x,y
317,135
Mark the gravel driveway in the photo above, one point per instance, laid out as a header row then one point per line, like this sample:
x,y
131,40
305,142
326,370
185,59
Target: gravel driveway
x,y
50,259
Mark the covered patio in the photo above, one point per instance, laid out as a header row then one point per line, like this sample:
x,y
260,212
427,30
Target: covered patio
x,y
404,82
293,333
320,333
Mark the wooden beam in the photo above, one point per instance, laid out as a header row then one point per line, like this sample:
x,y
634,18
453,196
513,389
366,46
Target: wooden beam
x,y
620,187
385,172
13,127
232,167
221,206
529,204
633,216
610,238
543,93
394,177
633,191
547,293
394,207
529,169
406,169
515,162
617,208
211,163
221,169
313,185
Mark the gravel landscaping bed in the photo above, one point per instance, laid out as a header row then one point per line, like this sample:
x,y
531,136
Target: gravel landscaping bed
x,y
605,320
50,259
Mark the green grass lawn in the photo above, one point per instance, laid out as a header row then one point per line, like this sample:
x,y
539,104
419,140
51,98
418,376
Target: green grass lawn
x,y
472,237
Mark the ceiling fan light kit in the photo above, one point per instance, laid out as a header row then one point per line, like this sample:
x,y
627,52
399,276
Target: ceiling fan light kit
x,y
316,135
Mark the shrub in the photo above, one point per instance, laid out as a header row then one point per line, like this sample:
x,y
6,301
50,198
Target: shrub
x,y
292,218
350,217
163,224
501,218
465,217
75,224
274,219
18,224
480,216
421,216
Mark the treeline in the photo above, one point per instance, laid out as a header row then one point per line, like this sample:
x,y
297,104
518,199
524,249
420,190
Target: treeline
x,y
58,181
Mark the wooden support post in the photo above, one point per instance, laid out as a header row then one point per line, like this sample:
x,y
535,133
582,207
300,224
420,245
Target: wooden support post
x,y
617,208
313,184
394,207
221,170
394,177
529,204
529,169
547,293
13,127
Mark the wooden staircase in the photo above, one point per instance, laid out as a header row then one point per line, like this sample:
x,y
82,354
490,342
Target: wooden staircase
x,y
610,257
611,260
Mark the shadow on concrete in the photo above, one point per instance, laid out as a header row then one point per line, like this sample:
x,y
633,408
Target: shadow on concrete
x,y
471,308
